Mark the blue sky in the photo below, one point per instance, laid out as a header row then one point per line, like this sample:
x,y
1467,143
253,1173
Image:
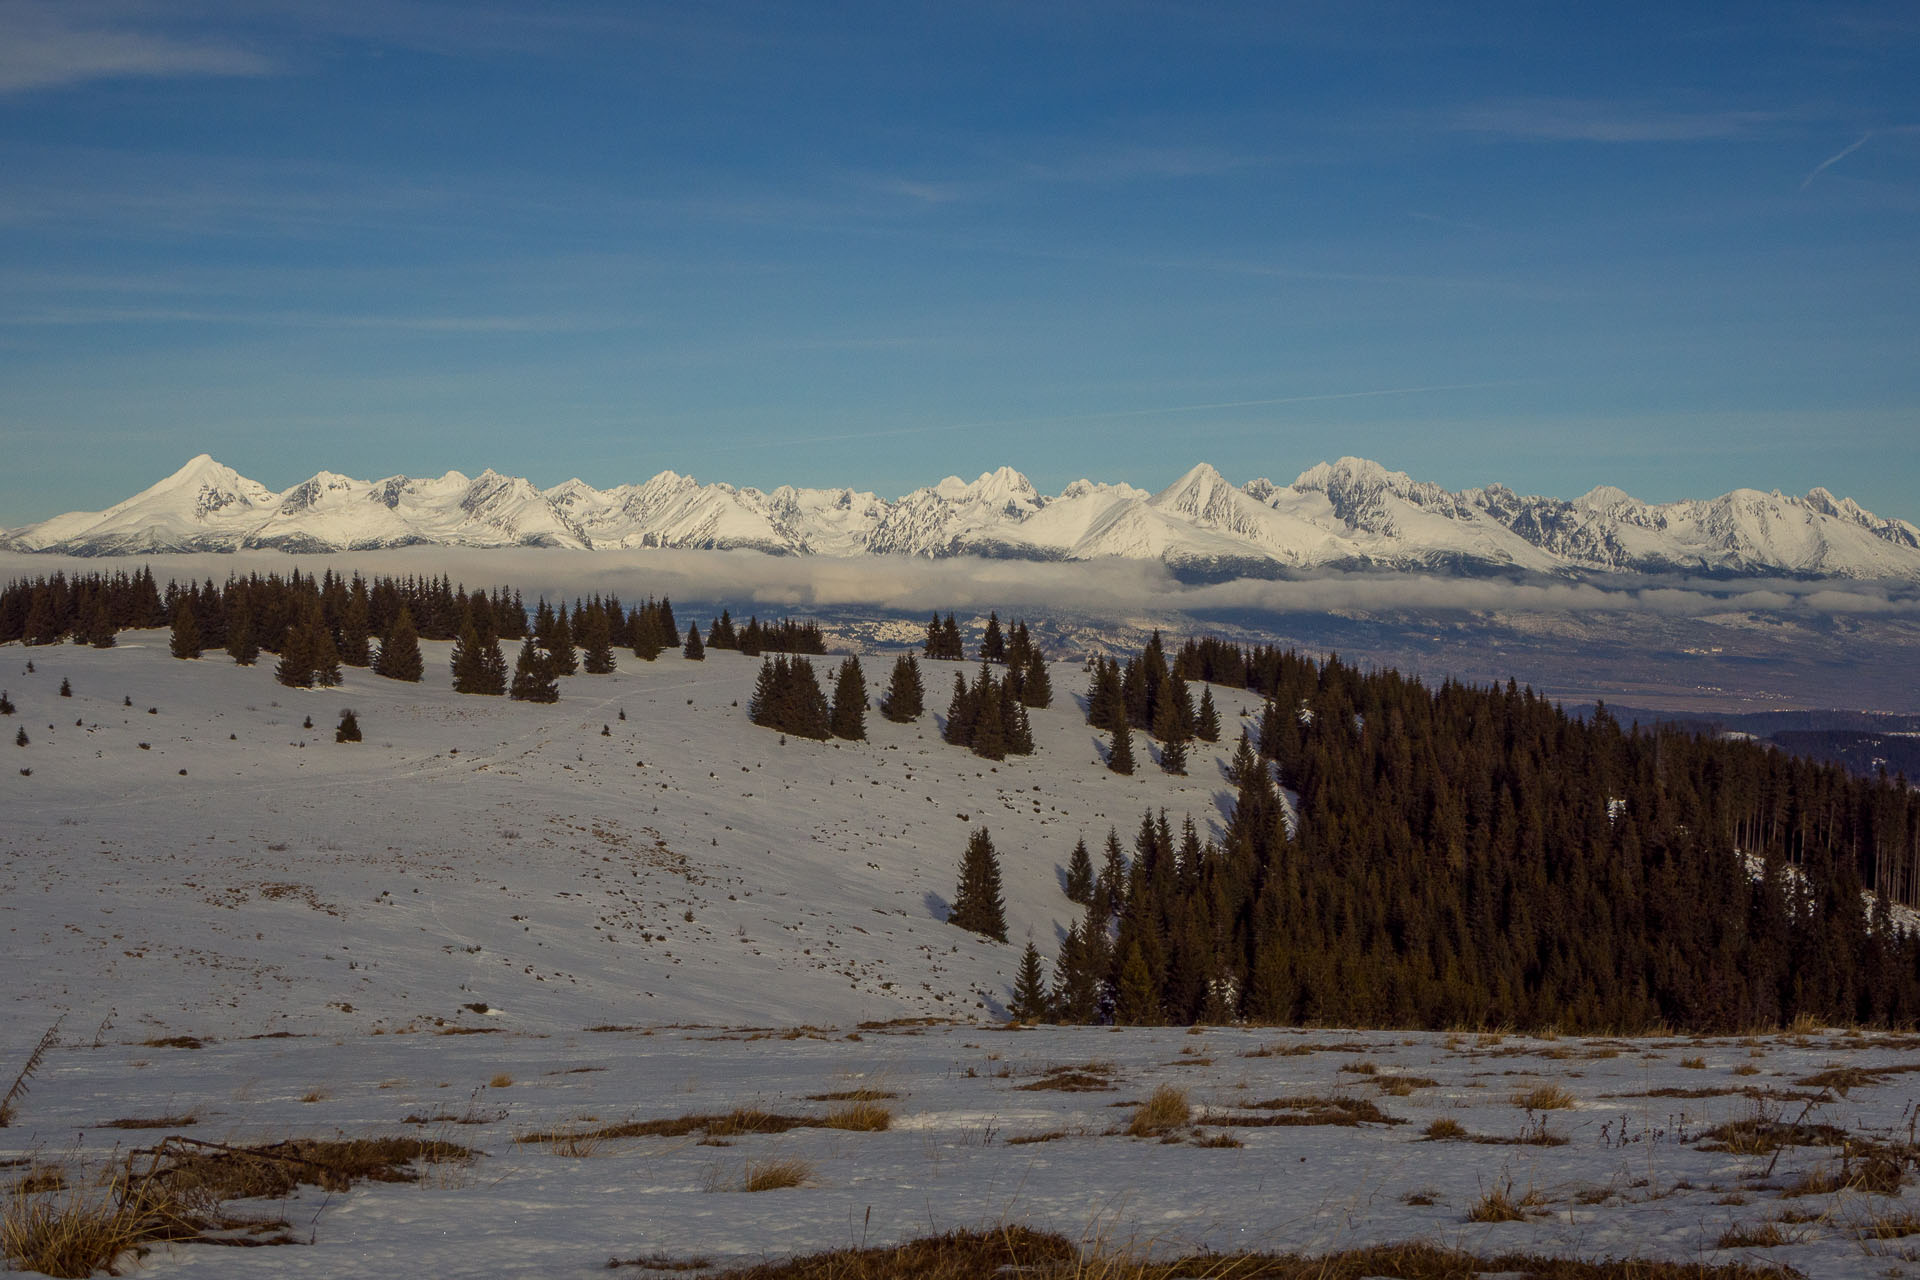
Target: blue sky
x,y
1672,248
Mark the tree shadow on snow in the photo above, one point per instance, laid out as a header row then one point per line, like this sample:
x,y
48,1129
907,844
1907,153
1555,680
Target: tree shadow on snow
x,y
937,906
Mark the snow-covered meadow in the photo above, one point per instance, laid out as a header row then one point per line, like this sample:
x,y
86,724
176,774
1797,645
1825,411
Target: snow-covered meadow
x,y
495,923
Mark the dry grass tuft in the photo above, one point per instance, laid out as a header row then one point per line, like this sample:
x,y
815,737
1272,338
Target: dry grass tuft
x,y
1165,1110
859,1117
501,1081
152,1122
1546,1097
1400,1086
776,1175
660,1262
1767,1235
1694,1064
1498,1205
1445,1129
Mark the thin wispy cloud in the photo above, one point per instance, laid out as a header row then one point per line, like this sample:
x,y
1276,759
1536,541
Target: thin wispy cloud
x,y
45,46
1594,120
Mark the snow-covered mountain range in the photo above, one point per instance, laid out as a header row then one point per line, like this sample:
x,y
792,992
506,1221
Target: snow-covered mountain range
x,y
1346,514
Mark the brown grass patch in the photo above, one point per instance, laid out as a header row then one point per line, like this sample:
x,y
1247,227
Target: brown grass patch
x,y
1033,1255
1310,1109
858,1117
1445,1129
1027,1139
1397,1086
660,1262
776,1175
1165,1110
1497,1205
853,1095
1545,1097
1760,1135
152,1122
740,1122
175,1042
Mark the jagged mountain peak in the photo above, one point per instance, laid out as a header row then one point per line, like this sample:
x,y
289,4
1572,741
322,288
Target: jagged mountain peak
x,y
1351,511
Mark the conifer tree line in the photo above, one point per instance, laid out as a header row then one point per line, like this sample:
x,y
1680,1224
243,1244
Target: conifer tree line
x,y
756,638
988,717
1475,856
787,697
1013,647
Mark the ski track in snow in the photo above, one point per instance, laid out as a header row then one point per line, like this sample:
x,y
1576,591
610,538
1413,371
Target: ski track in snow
x,y
350,900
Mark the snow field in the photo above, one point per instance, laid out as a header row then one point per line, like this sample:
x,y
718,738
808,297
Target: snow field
x,y
1632,1177
479,851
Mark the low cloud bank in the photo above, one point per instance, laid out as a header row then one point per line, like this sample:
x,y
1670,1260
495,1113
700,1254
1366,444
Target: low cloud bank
x,y
1118,589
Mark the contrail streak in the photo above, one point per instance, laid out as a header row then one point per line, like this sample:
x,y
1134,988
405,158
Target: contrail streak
x,y
1834,159
1107,414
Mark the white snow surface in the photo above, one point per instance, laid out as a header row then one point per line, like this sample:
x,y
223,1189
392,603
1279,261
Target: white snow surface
x,y
685,915
1347,513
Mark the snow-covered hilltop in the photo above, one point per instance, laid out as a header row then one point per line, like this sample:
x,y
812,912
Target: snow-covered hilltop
x,y
1346,514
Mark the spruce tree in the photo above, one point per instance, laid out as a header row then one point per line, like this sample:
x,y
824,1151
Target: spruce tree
x,y
993,645
562,658
469,673
295,669
989,735
325,654
648,641
1120,756
1036,686
1206,726
1030,1002
349,727
694,650
849,716
186,631
6,704
950,640
243,645
1136,996
399,656
1080,874
959,727
596,641
976,901
533,678
492,679
20,738
904,699
1173,757
356,648
933,646
762,707
100,627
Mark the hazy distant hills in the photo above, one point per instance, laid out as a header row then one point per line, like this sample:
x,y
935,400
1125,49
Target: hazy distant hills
x,y
1346,514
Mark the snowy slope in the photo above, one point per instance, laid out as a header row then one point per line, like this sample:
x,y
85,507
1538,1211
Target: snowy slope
x,y
490,920
1349,513
476,848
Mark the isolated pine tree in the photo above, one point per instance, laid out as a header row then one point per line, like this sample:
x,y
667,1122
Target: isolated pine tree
x,y
186,631
468,673
493,668
243,645
1036,686
20,738
596,641
1120,757
6,704
295,669
349,728
849,716
989,734
1206,725
976,901
100,627
399,656
356,647
904,698
1173,757
959,729
562,658
1030,1002
694,650
326,655
993,645
533,678
1080,874
66,687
